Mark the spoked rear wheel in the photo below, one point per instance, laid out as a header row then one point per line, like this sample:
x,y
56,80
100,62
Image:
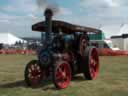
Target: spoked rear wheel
x,y
91,63
33,73
62,75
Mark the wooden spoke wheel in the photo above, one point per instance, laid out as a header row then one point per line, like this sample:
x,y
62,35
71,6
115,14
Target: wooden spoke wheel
x,y
33,73
62,75
91,63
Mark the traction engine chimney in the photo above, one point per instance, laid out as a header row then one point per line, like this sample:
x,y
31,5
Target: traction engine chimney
x,y
48,22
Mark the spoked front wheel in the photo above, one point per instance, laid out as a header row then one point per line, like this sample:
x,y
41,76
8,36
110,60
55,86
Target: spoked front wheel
x,y
33,73
62,75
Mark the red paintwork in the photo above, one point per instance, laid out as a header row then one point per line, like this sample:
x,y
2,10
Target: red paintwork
x,y
94,63
110,52
62,75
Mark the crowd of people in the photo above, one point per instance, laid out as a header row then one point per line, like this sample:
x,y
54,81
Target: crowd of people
x,y
19,48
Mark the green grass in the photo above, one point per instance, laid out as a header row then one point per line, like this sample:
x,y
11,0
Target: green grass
x,y
112,80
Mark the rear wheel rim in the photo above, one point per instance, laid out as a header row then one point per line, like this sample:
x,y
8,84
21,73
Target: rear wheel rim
x,y
34,74
94,63
62,76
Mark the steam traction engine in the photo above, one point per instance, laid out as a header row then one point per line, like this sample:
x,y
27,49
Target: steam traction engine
x,y
65,52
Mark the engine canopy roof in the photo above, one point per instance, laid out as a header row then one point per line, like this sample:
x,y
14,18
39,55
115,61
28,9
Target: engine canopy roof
x,y
64,27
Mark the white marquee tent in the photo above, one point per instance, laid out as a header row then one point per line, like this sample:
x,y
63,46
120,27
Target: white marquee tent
x,y
117,29
8,38
119,34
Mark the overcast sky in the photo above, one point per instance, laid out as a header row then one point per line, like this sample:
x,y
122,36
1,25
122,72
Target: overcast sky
x,y
17,16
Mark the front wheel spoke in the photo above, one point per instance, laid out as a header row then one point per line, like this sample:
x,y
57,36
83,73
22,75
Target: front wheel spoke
x,y
35,65
92,60
59,76
38,72
34,73
32,67
92,72
38,68
59,70
62,68
39,76
92,65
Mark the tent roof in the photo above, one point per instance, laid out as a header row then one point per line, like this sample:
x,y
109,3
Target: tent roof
x,y
116,29
8,38
124,29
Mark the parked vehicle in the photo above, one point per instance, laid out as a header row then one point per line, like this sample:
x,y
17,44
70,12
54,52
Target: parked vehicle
x,y
66,52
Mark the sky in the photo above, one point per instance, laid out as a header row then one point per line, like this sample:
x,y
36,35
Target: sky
x,y
17,16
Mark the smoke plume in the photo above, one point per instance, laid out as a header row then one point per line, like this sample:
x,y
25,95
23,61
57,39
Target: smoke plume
x,y
48,4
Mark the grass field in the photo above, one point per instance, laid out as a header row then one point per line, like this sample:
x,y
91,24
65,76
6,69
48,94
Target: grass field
x,y
112,80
